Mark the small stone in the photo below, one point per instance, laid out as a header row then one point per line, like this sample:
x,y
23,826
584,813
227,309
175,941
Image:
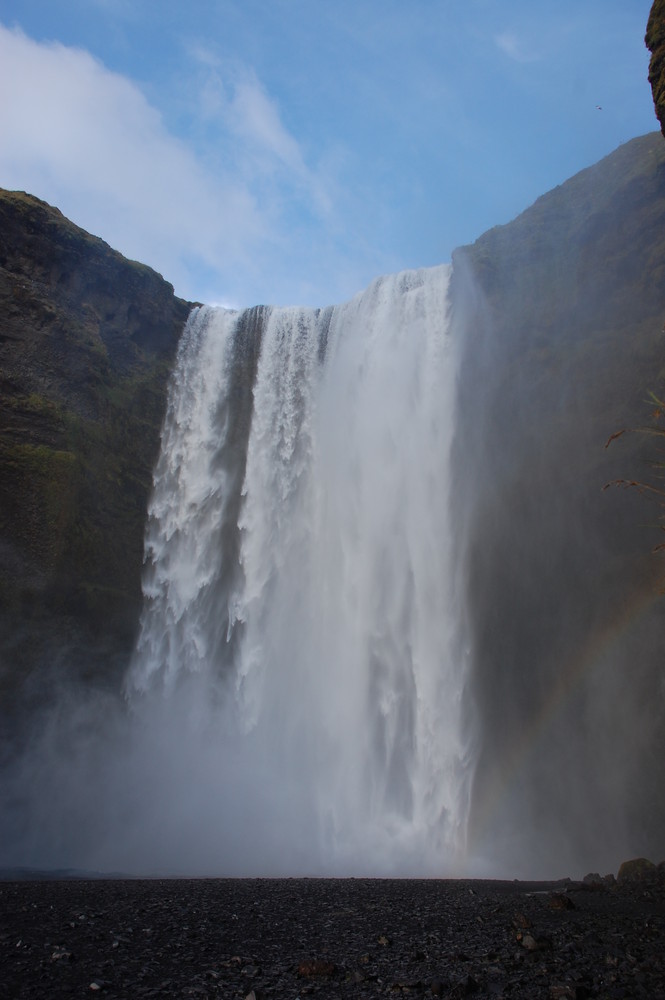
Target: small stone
x,y
562,991
62,955
560,901
316,967
534,944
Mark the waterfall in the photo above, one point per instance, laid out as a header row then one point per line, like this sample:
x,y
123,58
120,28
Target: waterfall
x,y
299,627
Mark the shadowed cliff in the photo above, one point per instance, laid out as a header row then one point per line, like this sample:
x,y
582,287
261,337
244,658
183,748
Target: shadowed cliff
x,y
87,340
561,314
655,42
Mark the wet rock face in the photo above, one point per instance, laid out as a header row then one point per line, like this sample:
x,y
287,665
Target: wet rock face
x,y
655,42
87,340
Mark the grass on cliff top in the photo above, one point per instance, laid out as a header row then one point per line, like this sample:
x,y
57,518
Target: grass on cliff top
x,y
31,208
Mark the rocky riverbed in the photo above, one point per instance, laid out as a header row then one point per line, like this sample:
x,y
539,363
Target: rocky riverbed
x,y
288,938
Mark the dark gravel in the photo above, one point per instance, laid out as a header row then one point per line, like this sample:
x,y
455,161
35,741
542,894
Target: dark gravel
x,y
288,938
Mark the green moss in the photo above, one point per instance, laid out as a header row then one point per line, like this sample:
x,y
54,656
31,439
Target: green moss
x,y
44,483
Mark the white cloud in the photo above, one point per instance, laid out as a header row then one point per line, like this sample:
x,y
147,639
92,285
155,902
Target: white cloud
x,y
87,140
514,48
235,99
255,116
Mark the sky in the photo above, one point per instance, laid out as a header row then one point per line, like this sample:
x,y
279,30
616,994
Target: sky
x,y
289,151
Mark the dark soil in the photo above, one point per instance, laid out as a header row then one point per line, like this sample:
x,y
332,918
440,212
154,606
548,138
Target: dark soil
x,y
288,938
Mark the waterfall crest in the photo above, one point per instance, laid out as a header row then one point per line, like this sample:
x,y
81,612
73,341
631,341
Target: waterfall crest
x,y
300,612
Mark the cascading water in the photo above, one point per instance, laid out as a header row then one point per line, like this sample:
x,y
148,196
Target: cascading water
x,y
299,628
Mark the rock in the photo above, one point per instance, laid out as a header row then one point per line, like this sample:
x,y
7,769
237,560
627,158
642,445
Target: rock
x,y
592,879
655,42
636,870
406,986
316,967
532,943
62,955
560,901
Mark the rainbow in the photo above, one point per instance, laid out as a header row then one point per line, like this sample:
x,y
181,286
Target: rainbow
x,y
589,658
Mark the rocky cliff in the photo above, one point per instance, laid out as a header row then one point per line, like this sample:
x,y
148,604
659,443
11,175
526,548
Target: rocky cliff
x,y
655,42
87,339
562,317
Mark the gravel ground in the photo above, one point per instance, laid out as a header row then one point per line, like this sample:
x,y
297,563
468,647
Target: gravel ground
x,y
288,938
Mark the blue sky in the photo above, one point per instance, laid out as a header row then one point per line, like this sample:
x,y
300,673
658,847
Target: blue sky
x,y
289,151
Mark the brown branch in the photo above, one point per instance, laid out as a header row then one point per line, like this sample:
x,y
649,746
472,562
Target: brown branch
x,y
613,437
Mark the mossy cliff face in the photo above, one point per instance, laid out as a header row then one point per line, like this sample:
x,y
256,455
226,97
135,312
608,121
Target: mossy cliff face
x,y
655,42
87,340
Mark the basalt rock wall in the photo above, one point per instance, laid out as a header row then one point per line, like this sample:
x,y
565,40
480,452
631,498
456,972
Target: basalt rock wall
x,y
87,340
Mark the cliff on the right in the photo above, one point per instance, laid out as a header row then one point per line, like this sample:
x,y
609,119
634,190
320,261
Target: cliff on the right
x,y
655,42
558,471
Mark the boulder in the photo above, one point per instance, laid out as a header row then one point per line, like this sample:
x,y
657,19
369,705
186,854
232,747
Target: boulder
x,y
636,870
